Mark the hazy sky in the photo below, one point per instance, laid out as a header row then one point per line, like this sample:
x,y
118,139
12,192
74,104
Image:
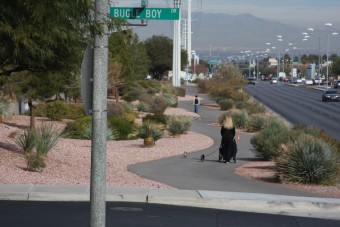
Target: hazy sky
x,y
313,13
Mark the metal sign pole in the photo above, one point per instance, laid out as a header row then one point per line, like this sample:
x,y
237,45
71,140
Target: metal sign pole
x,y
99,119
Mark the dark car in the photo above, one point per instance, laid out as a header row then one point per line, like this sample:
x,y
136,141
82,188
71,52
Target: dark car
x,y
251,81
337,84
330,95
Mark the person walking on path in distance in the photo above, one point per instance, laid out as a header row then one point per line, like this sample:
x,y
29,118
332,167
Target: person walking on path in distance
x,y
196,103
228,134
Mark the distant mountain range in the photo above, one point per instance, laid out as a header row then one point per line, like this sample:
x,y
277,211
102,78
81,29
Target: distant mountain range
x,y
235,33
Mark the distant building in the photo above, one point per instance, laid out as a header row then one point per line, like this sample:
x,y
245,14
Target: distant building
x,y
272,62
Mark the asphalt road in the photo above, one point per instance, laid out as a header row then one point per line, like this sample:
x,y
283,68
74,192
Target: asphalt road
x,y
299,105
77,214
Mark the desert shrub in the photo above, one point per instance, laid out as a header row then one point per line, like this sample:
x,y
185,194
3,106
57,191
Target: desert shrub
x,y
87,133
40,110
178,125
158,104
43,139
46,137
75,129
167,88
129,112
240,104
142,107
160,119
57,110
171,100
122,128
255,123
153,90
254,107
225,104
115,109
202,86
180,91
307,160
131,95
35,161
76,110
149,130
239,96
269,139
240,118
26,140
222,117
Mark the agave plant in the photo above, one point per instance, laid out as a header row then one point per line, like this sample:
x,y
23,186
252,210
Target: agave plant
x,y
150,132
47,137
26,140
307,160
178,125
86,133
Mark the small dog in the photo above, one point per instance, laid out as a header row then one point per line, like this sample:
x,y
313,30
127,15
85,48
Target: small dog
x,y
185,154
202,158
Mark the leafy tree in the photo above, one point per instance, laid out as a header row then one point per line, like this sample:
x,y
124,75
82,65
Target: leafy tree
x,y
159,49
40,36
336,66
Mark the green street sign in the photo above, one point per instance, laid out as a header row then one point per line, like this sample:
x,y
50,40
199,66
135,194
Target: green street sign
x,y
141,13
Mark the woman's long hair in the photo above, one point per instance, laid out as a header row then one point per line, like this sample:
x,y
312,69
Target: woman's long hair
x,y
228,123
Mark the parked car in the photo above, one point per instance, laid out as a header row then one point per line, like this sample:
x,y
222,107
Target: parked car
x,y
330,95
266,78
274,80
251,81
285,80
337,84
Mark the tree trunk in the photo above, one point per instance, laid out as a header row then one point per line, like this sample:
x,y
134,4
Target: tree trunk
x,y
32,115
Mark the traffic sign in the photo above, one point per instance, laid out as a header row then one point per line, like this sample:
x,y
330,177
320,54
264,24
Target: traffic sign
x,y
141,13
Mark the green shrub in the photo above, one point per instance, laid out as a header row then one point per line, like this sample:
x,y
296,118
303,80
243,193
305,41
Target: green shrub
x,y
57,110
115,109
87,133
167,88
178,125
35,161
269,139
46,137
202,85
307,160
131,96
76,110
158,104
225,104
122,128
143,107
254,107
255,123
26,140
180,91
75,129
240,104
172,100
149,130
222,117
153,90
156,118
240,118
40,110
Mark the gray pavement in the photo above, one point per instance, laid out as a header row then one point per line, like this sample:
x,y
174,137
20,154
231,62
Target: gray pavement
x,y
227,191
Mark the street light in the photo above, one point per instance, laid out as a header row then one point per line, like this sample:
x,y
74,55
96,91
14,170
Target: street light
x,y
327,63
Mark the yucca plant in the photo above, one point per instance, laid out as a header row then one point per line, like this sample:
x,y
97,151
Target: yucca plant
x,y
150,133
178,125
87,133
307,160
47,137
26,140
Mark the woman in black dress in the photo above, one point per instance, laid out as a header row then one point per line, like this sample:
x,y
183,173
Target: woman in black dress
x,y
228,134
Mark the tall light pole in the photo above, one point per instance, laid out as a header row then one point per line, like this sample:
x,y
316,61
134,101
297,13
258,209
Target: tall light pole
x,y
327,63
176,61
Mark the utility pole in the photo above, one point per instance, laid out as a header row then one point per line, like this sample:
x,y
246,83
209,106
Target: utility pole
x,y
99,119
176,61
189,33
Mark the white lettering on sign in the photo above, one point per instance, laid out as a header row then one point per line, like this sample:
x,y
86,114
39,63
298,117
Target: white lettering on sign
x,y
126,13
153,13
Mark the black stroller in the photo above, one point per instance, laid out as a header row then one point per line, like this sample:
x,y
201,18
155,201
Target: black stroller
x,y
222,155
